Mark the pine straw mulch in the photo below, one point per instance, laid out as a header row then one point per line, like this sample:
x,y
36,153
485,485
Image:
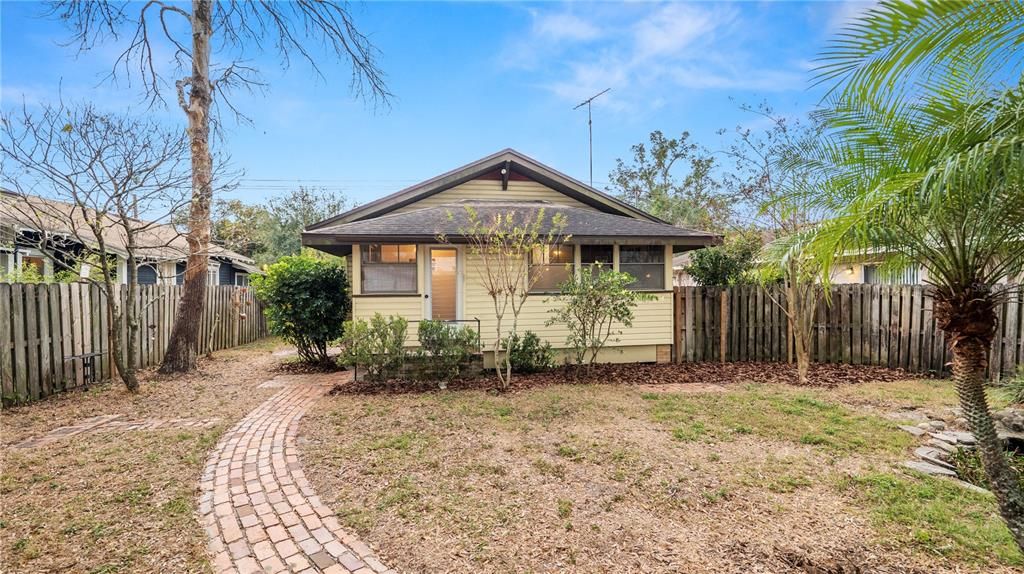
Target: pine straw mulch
x,y
820,375
586,479
121,501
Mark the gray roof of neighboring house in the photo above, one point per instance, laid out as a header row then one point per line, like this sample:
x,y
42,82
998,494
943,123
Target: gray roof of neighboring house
x,y
157,241
583,224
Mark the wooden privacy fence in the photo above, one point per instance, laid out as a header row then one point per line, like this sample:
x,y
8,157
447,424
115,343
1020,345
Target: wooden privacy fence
x,y
43,326
883,325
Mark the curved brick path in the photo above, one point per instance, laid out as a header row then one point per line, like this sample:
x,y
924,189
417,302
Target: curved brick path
x,y
258,509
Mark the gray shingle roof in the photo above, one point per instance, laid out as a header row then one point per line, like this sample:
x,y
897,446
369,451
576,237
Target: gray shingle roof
x,y
584,225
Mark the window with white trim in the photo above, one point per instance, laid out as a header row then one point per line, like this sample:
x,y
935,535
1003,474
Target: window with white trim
x,y
388,268
242,279
646,263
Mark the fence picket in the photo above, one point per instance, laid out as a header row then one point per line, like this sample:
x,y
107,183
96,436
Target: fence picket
x,y
886,325
42,325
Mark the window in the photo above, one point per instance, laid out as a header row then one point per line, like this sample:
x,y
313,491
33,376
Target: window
x,y
242,279
388,268
646,263
591,255
213,274
551,266
908,276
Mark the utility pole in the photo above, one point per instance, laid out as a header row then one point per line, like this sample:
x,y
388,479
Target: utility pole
x,y
590,129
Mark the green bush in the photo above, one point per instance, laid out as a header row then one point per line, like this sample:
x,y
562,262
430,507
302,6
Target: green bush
x,y
728,264
528,354
1013,387
306,302
446,348
378,346
594,306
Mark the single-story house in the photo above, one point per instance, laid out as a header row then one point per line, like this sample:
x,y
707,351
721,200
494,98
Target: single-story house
x,y
161,254
399,266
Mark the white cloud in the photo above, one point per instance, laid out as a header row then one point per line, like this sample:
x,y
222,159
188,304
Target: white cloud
x,y
841,14
645,52
558,26
673,28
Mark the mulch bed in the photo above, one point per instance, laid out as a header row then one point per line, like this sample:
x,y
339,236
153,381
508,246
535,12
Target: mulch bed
x,y
821,375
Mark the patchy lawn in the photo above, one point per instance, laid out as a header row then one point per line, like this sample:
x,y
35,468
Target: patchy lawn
x,y
602,478
121,501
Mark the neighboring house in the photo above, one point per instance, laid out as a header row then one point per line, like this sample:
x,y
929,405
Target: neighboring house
x,y
399,266
680,276
161,253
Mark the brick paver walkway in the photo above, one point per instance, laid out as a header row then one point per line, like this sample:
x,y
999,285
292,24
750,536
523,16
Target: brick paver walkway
x,y
258,509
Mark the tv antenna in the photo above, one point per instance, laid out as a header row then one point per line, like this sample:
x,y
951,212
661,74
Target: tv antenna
x,y
590,128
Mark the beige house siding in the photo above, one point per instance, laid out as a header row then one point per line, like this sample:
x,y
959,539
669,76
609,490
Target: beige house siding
x,y
652,325
484,189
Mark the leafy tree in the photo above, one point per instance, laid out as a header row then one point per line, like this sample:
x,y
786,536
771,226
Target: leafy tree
x,y
729,264
503,243
595,305
924,162
306,302
650,182
193,37
241,227
293,212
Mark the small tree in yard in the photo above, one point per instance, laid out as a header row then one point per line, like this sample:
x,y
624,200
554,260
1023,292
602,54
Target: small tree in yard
x,y
306,303
503,241
924,162
81,178
596,304
728,264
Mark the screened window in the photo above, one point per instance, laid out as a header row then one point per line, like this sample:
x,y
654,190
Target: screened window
x,y
593,255
550,267
388,268
646,263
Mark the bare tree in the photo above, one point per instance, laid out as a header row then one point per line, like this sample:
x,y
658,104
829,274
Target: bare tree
x,y
770,178
79,178
237,29
503,241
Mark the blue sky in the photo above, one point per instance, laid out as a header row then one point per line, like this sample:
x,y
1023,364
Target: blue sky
x,y
473,78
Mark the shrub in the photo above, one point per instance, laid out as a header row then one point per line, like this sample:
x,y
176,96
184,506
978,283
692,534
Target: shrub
x,y
528,354
446,347
728,264
594,304
377,345
306,302
1013,387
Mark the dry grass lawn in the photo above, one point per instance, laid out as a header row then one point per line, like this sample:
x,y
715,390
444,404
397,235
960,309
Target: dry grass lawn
x,y
125,501
657,479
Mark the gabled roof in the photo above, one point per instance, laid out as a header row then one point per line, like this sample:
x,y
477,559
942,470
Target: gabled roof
x,y
507,158
582,224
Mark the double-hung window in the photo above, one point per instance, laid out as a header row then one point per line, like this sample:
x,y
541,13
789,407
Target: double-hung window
x,y
646,263
592,256
551,266
388,268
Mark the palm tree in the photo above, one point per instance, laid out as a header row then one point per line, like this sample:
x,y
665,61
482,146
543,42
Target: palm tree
x,y
924,160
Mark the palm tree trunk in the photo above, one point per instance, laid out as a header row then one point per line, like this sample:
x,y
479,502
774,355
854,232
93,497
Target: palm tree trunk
x,y
969,357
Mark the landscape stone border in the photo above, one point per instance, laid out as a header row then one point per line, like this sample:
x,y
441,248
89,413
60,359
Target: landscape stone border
x,y
259,511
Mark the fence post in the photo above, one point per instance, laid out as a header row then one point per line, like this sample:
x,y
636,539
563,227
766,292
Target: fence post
x,y
723,323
